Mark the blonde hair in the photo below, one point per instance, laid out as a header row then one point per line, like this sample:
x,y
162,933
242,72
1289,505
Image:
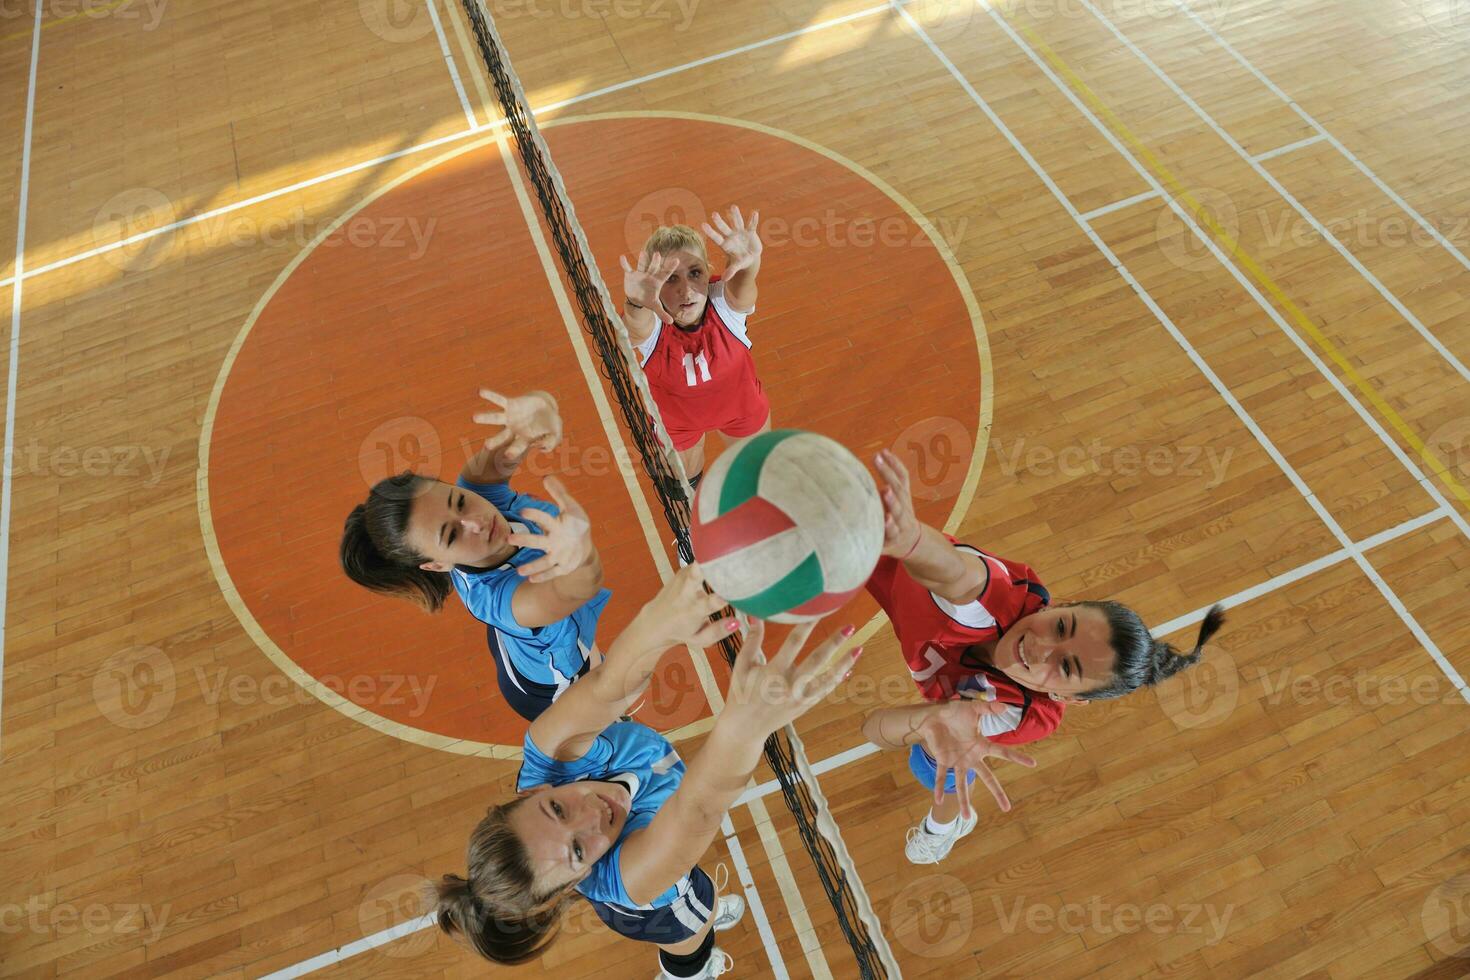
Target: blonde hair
x,y
676,238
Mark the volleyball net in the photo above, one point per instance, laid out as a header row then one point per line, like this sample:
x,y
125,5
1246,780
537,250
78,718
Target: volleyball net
x,y
783,750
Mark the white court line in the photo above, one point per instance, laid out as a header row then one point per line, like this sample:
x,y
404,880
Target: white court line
x,y
1322,131
1120,205
1288,148
332,956
1277,186
753,900
1199,362
1364,415
464,101
440,141
15,303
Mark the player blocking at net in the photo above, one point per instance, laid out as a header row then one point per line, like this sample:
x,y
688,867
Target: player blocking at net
x,y
525,567
688,328
609,812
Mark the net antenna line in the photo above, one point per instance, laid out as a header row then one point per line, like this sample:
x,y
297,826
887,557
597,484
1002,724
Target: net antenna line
x,y
783,750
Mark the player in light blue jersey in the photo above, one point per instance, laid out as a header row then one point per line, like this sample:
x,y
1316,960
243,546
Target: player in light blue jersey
x,y
608,811
524,567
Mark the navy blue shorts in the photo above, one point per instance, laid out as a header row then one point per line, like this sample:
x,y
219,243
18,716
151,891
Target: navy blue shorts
x,y
668,925
527,698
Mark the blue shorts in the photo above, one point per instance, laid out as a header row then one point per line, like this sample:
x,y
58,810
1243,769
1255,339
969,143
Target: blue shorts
x,y
668,925
923,767
527,698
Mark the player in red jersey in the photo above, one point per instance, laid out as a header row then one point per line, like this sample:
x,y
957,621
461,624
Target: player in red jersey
x,y
688,328
995,659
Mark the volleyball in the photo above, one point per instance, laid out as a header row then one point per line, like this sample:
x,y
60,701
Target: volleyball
x,y
787,525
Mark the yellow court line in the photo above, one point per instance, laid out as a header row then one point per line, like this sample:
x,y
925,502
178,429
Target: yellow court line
x,y
1251,266
84,15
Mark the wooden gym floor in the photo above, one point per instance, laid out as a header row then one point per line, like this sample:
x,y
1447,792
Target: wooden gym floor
x,y
1170,300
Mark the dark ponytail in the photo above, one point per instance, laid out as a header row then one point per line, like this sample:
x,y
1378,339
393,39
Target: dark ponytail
x,y
1142,660
375,552
497,908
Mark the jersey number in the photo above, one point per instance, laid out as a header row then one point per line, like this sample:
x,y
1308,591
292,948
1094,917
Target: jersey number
x,y
689,361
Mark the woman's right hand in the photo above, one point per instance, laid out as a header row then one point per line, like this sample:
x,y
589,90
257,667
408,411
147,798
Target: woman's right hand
x,y
767,695
643,284
680,614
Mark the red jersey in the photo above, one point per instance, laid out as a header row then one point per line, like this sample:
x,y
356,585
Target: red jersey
x,y
935,634
704,379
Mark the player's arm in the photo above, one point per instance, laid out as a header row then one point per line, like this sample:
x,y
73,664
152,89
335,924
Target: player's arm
x,y
952,735
568,575
764,696
529,421
678,616
742,246
927,555
642,307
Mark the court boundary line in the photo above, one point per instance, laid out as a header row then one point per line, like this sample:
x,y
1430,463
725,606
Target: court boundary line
x,y
1387,294
7,461
1288,148
1270,310
1199,362
1321,130
464,101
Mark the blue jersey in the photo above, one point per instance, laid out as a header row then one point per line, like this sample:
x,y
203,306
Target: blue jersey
x,y
552,655
633,754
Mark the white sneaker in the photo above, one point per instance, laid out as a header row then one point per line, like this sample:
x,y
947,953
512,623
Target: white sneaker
x,y
729,909
719,962
926,848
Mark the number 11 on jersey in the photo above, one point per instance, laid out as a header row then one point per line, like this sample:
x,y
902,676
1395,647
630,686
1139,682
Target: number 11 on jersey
x,y
689,361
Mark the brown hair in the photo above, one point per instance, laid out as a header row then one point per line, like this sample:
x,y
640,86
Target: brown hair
x,y
497,909
375,552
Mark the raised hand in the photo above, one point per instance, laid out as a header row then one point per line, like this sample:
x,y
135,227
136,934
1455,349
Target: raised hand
x,y
566,538
769,694
740,242
680,614
644,284
951,735
901,529
531,421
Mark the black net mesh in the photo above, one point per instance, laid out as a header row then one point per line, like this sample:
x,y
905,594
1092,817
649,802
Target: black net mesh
x,y
780,753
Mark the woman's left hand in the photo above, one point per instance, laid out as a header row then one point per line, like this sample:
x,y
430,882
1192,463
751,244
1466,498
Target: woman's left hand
x,y
740,242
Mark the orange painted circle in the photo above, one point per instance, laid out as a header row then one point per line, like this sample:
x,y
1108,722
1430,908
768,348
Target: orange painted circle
x,y
367,358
